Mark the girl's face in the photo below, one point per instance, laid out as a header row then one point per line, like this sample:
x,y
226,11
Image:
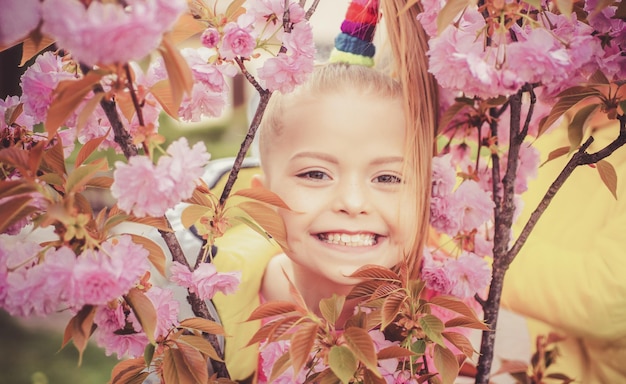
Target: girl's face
x,y
338,164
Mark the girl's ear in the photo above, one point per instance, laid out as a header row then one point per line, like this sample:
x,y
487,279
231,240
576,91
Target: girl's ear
x,y
258,181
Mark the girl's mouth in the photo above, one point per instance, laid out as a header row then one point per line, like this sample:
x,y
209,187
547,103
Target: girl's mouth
x,y
349,240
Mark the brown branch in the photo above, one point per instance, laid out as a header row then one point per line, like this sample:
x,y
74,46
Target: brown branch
x,y
311,10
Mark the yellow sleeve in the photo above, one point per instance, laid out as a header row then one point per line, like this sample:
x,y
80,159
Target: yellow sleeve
x,y
570,273
241,249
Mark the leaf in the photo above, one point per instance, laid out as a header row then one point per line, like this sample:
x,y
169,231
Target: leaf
x,y
302,342
16,187
186,26
394,352
144,310
622,105
100,182
331,307
565,6
81,175
453,304
280,366
201,344
178,71
272,308
362,345
268,219
15,157
199,198
449,12
567,99
376,272
608,176
576,129
432,327
156,255
342,362
556,154
88,110
263,195
162,91
35,155
68,95
194,361
391,307
192,214
461,342
535,3
467,322
148,354
14,210
275,329
234,8
127,370
598,77
79,329
364,289
447,364
203,325
252,225
34,44
512,366
175,370
159,223
450,114
88,148
54,158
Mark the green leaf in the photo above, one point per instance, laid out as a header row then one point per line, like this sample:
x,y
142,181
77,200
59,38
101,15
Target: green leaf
x,y
608,176
535,3
447,14
144,310
565,6
331,307
432,327
342,362
622,105
576,129
148,354
447,364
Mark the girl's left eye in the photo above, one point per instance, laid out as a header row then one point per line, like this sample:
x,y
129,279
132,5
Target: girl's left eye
x,y
388,179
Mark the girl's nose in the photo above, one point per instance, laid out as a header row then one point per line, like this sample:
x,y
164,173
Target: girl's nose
x,y
352,198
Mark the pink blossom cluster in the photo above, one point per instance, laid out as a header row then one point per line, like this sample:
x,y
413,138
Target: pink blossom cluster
x,y
205,281
147,189
463,276
109,32
556,52
18,19
261,27
38,281
120,332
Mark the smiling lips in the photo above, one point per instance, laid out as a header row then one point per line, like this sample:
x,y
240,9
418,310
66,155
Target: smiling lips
x,y
354,240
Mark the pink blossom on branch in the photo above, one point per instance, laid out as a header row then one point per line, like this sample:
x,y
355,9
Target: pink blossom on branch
x,y
18,19
469,273
283,72
205,281
237,42
106,33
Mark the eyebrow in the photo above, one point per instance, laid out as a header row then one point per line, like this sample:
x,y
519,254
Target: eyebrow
x,y
333,160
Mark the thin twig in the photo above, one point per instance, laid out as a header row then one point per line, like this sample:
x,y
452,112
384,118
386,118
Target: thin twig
x,y
311,10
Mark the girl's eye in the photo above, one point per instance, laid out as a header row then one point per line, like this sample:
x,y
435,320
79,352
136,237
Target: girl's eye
x,y
315,175
388,179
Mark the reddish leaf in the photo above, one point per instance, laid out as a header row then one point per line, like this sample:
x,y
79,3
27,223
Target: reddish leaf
x,y
272,308
194,361
100,182
175,371
446,363
391,307
82,204
280,366
88,148
385,290
192,214
567,99
144,310
608,176
79,329
33,44
35,155
14,210
200,198
447,14
512,366
302,342
275,329
598,77
364,289
268,219
450,114
81,175
576,129
263,195
203,325
87,111
376,272
362,345
453,304
556,154
15,157
186,26
127,370
202,345
68,95
16,187
178,71
54,158
467,322
461,342
156,255
159,223
394,352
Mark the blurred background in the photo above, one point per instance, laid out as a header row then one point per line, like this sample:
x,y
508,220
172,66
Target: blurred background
x,y
30,348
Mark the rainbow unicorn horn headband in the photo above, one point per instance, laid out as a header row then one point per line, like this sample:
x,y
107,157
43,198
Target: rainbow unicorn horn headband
x,y
354,44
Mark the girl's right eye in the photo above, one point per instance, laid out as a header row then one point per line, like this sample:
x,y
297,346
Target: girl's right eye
x,y
314,175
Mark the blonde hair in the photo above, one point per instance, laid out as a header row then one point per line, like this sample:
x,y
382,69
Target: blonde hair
x,y
409,44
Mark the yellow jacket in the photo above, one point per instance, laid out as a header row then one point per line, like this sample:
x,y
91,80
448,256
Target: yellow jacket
x,y
243,250
570,276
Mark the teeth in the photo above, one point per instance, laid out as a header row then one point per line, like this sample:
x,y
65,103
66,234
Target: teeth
x,y
357,240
